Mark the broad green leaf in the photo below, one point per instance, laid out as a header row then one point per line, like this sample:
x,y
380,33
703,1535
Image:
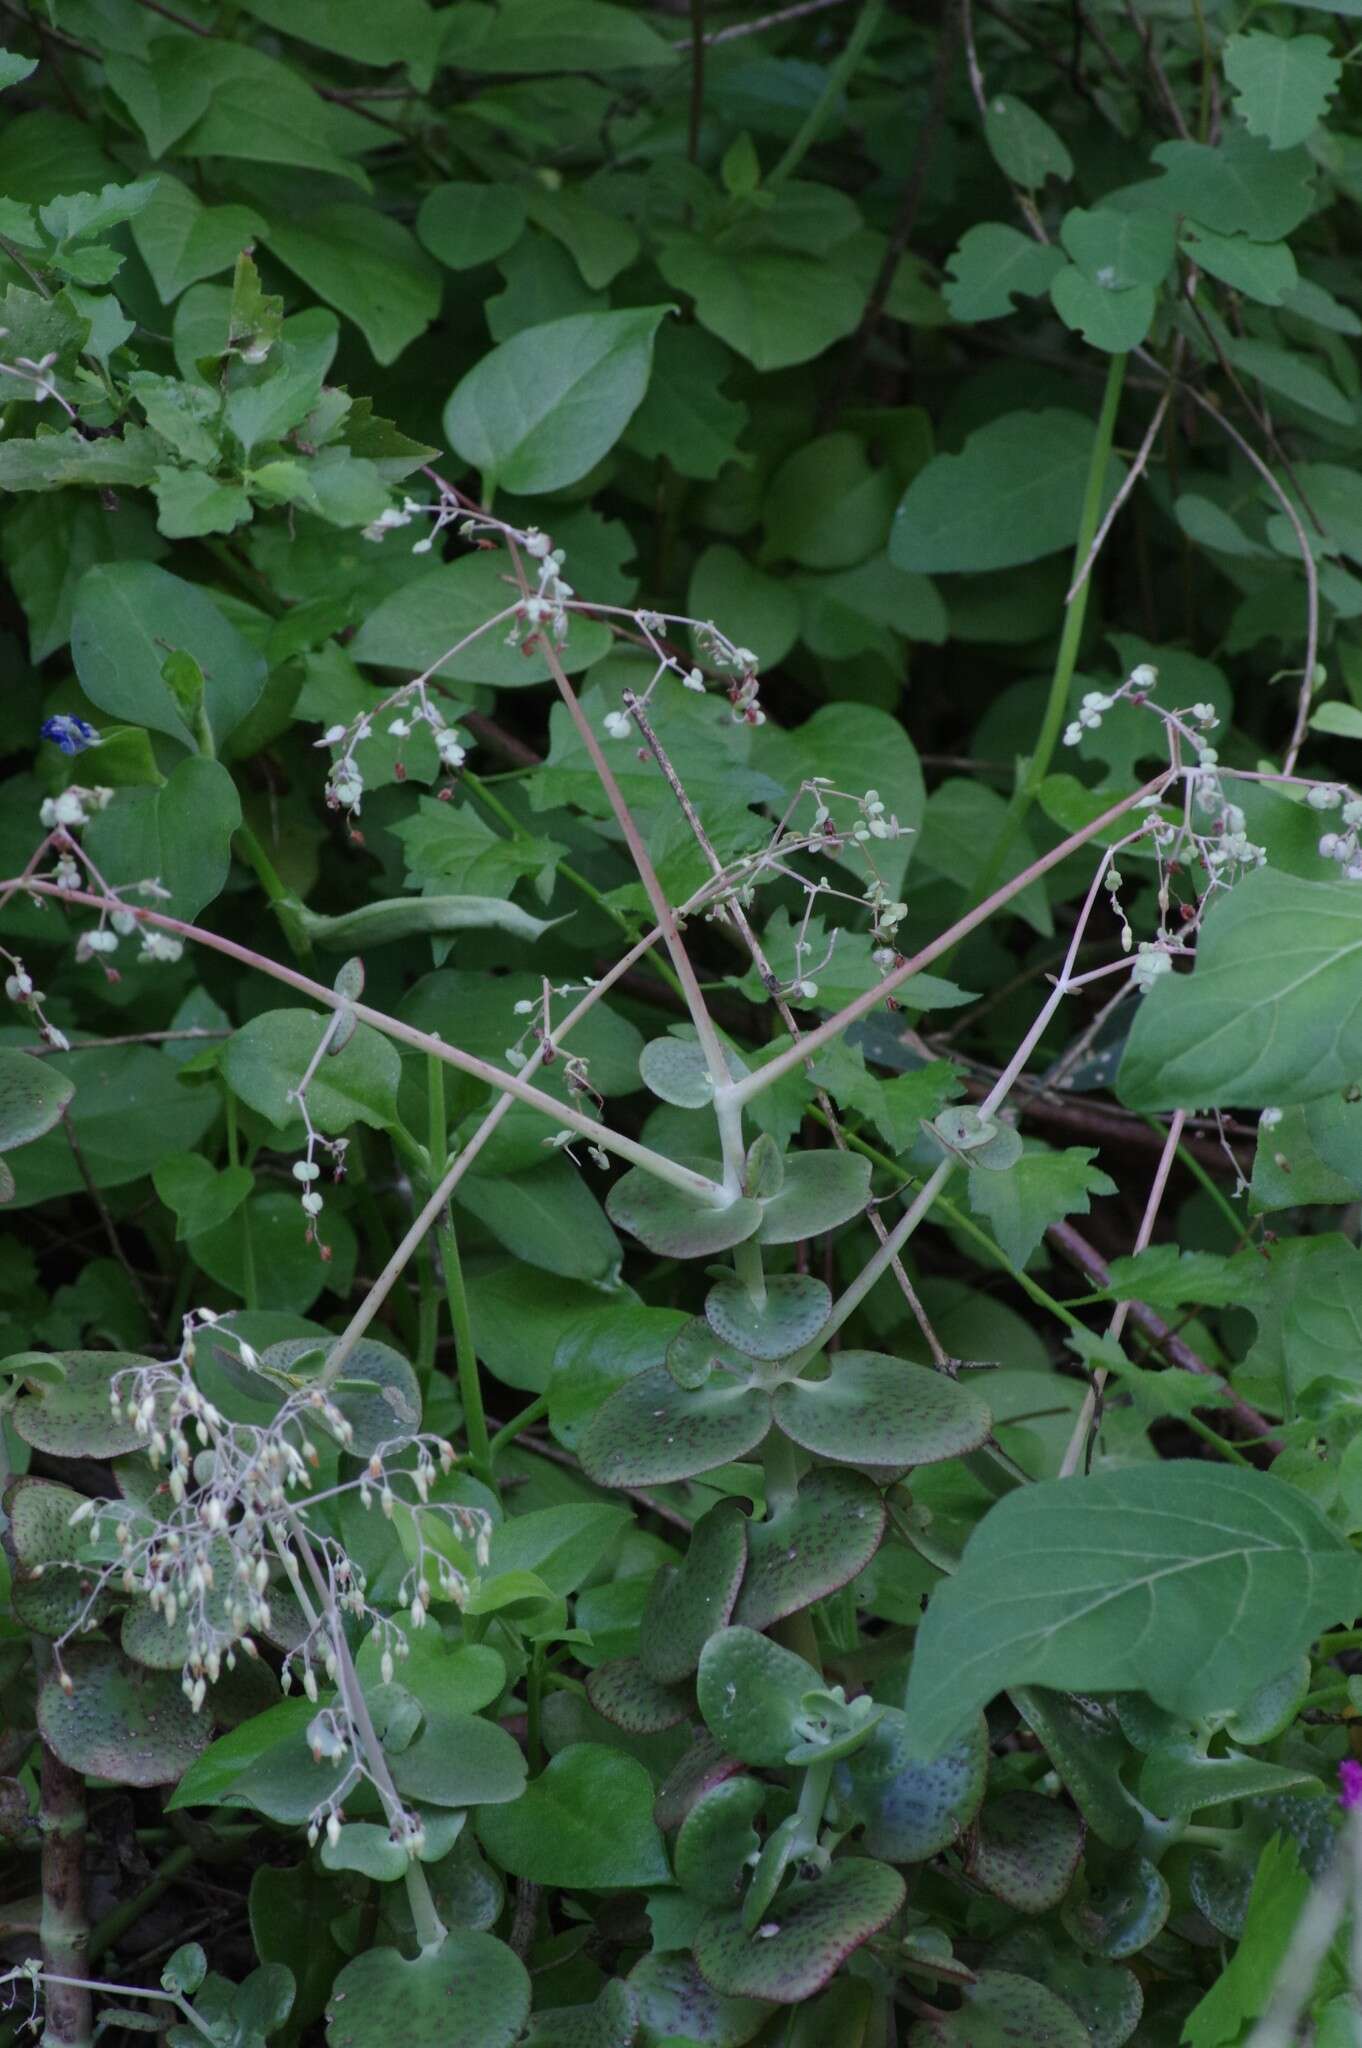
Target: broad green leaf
x,y
1024,145
1270,1013
791,1311
774,307
600,244
1118,250
548,1218
470,1992
1241,1993
459,1760
754,609
1042,1188
1105,316
990,265
1265,271
676,1224
190,503
1187,1581
553,1834
451,605
1284,84
554,35
857,610
200,1196
465,225
911,1811
288,1270
49,542
1240,186
828,506
129,1110
366,265
859,748
128,617
1013,495
684,414
819,1191
265,1061
543,408
14,69
260,110
562,1545
406,31
1294,377
33,1096
178,835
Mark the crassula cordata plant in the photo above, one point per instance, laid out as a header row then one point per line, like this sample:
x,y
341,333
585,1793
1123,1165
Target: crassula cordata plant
x,y
681,1083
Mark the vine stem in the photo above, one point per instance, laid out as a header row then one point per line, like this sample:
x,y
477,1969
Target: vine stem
x,y
447,1241
1066,660
697,1185
64,1931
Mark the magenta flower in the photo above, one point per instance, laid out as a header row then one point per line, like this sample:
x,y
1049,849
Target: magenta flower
x,y
1349,1785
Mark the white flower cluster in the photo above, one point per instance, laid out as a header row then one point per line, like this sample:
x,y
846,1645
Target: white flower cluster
x,y
1141,680
1343,846
444,514
414,708
72,808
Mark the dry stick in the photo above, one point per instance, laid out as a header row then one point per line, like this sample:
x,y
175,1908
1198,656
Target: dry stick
x,y
193,1031
763,22
425,1218
730,1132
1023,203
1156,70
826,1033
1307,559
1133,476
1084,1419
695,1184
1090,1263
787,1016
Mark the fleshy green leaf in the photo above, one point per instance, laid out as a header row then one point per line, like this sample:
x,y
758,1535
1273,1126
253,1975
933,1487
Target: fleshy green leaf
x,y
873,1410
808,1933
471,1992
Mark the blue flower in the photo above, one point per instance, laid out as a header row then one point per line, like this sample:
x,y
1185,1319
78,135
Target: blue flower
x,y
72,735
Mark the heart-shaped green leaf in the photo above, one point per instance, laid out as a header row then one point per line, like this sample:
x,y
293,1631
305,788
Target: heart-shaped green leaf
x,y
690,1602
999,2010
807,1935
1118,1905
470,1992
676,1071
677,1225
676,2004
1026,1850
610,2021
910,1811
825,1537
651,1431
49,1596
460,1760
751,1693
791,1312
586,1822
717,1842
625,1693
119,1721
820,1191
874,1410
1106,1996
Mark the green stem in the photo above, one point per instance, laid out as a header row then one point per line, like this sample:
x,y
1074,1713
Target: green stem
x,y
835,83
465,1355
1057,703
428,1314
281,899
781,1473
247,1241
509,1431
534,1708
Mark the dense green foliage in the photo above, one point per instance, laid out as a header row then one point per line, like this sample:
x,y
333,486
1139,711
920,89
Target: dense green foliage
x,y
681,1103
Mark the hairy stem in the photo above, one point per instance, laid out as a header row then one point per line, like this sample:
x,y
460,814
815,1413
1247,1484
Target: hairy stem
x,y
64,1930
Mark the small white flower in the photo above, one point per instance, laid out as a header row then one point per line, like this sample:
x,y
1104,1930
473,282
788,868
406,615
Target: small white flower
x,y
19,985
399,728
333,735
1143,677
537,543
1269,1119
312,1204
449,745
306,1169
617,724
161,946
101,942
694,680
1323,797
1073,733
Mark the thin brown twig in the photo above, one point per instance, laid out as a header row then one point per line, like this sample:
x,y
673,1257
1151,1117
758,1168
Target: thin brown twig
x,y
106,1220
42,1052
763,22
180,20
